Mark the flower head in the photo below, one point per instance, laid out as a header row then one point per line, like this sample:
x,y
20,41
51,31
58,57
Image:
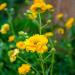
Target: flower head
x,y
20,45
36,6
3,6
11,38
12,54
69,23
24,69
59,16
3,31
40,4
60,31
32,15
5,28
36,43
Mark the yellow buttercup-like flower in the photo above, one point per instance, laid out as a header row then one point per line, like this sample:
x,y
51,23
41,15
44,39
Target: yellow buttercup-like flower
x,y
32,15
5,28
60,31
37,43
24,69
3,6
12,54
40,4
11,38
36,6
3,31
69,23
59,16
20,45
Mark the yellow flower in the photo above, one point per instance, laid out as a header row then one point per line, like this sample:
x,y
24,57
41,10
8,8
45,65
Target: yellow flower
x,y
20,45
36,6
32,15
59,16
61,31
5,28
3,6
12,54
69,23
49,34
24,69
11,38
36,43
3,31
40,4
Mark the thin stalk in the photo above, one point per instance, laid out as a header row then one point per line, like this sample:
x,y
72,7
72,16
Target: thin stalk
x,y
53,55
42,64
44,26
40,56
40,23
47,57
52,63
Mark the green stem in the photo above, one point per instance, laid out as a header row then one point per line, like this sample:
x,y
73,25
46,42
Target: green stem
x,y
52,63
42,64
44,26
47,57
40,56
28,63
40,23
52,45
53,54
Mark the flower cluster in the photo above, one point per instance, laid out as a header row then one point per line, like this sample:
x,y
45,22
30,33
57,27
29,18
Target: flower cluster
x,y
37,43
40,4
